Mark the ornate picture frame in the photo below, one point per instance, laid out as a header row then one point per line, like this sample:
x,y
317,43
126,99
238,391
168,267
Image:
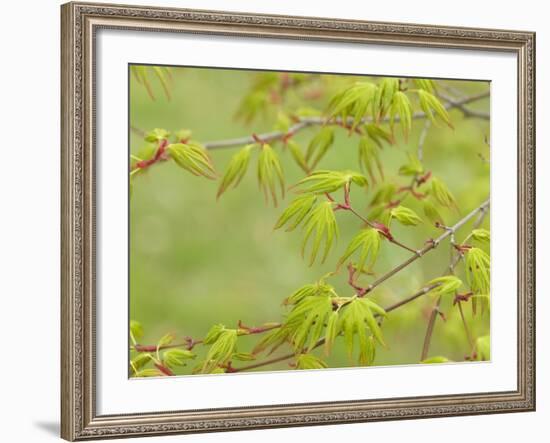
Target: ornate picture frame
x,y
80,22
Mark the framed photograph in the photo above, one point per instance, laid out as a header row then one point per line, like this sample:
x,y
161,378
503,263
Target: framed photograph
x,y
283,221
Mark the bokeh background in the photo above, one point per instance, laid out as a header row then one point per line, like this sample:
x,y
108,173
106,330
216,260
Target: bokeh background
x,y
196,261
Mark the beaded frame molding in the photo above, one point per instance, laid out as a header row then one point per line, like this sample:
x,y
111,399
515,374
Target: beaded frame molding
x,y
80,21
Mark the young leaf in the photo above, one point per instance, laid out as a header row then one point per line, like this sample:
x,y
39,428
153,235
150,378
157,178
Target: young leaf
x,y
483,348
369,158
412,167
236,169
431,212
308,361
166,339
377,134
368,241
318,288
270,172
331,332
401,107
384,97
355,317
213,333
243,356
405,216
295,213
478,271
139,361
157,135
323,181
425,84
192,157
297,155
136,330
447,284
221,350
481,235
176,357
437,359
383,194
321,226
307,320
319,145
442,194
253,104
430,104
354,101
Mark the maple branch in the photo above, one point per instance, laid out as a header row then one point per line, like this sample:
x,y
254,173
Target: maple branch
x,y
288,356
455,258
306,122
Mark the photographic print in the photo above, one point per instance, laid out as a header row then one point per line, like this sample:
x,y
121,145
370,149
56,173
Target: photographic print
x,y
305,221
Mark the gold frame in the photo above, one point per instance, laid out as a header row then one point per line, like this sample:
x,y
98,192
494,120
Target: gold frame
x,y
79,23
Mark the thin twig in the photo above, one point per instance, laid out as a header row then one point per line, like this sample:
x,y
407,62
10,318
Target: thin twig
x,y
431,245
455,258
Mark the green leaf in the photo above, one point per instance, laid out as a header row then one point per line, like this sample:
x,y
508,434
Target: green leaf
x,y
442,193
165,340
405,216
481,235
192,157
383,194
161,73
384,96
369,158
353,101
377,134
149,372
425,84
139,361
213,333
308,361
252,105
431,212
447,284
430,104
296,211
176,357
307,320
356,317
136,330
331,332
412,167
478,271
157,135
436,359
323,181
236,169
368,241
243,356
221,350
483,348
318,288
297,155
321,227
319,145
183,135
283,122
484,300
269,173
401,107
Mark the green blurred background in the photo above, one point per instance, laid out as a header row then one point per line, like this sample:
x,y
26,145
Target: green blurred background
x,y
195,261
